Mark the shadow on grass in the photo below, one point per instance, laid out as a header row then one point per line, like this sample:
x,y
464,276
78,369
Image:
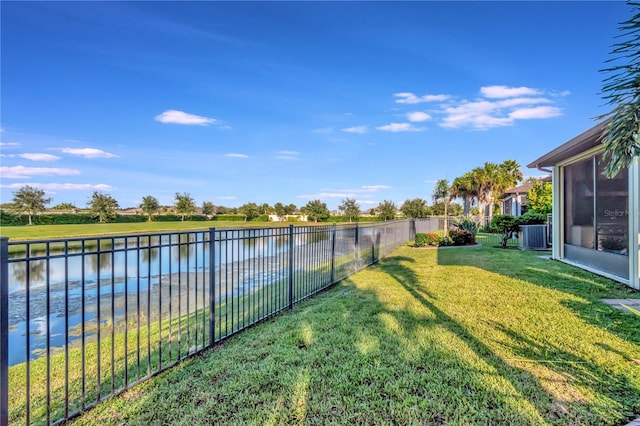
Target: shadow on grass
x,y
526,384
584,288
347,358
368,354
580,371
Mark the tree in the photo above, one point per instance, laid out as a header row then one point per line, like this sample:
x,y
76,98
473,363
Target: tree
x,y
103,207
415,208
208,208
507,225
280,210
31,200
442,194
150,206
465,188
291,209
511,169
350,208
493,179
250,211
184,204
265,208
453,209
539,197
621,90
317,211
64,206
386,210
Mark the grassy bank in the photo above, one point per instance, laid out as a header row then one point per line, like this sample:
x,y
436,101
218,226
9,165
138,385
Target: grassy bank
x,y
458,336
37,232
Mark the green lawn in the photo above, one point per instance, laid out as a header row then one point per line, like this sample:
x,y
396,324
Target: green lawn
x,y
451,336
20,233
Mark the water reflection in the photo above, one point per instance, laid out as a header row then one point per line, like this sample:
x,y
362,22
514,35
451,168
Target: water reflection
x,y
136,274
37,270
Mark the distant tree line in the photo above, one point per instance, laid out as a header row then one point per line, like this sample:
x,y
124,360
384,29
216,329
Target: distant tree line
x,y
478,190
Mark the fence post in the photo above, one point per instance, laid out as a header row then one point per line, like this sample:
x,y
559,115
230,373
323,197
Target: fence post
x,y
212,285
357,251
333,254
290,266
373,247
4,331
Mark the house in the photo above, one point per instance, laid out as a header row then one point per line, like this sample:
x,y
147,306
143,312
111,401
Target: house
x,y
512,200
596,221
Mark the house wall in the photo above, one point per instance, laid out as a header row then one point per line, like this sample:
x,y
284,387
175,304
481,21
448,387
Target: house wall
x,y
591,219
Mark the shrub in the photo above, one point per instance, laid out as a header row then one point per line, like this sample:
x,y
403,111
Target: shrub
x,y
468,224
532,217
421,239
10,219
229,217
435,239
506,225
461,237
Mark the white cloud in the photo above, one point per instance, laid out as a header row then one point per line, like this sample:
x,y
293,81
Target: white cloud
x,y
9,144
181,117
374,188
368,202
535,112
88,152
521,101
507,92
39,157
288,155
234,155
399,127
345,193
324,195
63,186
356,129
485,114
418,116
410,98
19,172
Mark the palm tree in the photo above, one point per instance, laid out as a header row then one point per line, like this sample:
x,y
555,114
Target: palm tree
x,y
512,169
463,187
490,179
442,192
621,90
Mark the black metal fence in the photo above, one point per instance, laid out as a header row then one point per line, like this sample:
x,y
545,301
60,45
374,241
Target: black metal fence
x,y
84,319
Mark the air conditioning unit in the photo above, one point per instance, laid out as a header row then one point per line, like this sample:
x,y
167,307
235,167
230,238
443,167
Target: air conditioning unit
x,y
533,237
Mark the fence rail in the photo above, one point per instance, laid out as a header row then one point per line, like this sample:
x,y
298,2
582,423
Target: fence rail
x,y
85,319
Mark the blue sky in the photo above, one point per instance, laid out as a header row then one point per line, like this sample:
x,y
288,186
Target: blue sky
x,y
290,101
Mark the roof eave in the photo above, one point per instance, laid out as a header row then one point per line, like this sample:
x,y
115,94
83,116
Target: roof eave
x,y
583,142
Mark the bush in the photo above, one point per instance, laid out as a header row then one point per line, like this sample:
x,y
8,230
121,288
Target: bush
x,y
506,225
532,218
468,224
10,219
461,237
421,239
261,218
435,239
229,217
130,218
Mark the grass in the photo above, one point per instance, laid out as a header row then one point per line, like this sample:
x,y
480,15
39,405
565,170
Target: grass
x,y
459,336
38,232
